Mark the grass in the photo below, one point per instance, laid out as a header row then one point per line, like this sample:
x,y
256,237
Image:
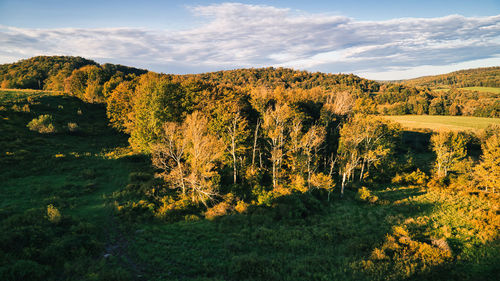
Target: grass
x,y
494,90
335,243
437,122
483,89
9,96
301,237
73,171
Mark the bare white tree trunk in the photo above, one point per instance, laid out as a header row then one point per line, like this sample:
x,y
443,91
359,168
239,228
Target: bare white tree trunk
x,y
256,135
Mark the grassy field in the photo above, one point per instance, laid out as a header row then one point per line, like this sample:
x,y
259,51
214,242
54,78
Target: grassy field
x,y
437,122
9,96
483,89
479,89
73,171
409,233
334,242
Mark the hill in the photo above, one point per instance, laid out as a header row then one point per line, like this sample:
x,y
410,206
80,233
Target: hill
x,y
95,83
49,72
477,77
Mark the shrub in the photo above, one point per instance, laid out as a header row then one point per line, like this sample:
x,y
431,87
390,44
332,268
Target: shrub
x,y
31,100
172,210
191,217
140,210
437,182
73,127
364,194
401,257
416,178
53,214
17,108
241,207
298,183
42,124
218,210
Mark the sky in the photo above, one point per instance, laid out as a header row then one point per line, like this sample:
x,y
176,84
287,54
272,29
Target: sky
x,y
383,40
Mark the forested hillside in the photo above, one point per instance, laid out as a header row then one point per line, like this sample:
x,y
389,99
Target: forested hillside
x,y
484,77
50,72
95,83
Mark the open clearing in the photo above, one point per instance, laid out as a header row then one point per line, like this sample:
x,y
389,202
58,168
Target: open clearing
x,y
479,89
438,122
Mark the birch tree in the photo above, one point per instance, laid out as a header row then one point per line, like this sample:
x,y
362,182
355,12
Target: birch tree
x,y
310,143
169,155
188,155
275,124
450,147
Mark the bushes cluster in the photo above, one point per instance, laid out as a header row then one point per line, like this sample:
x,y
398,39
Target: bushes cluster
x,y
73,127
364,194
401,256
53,214
414,178
43,124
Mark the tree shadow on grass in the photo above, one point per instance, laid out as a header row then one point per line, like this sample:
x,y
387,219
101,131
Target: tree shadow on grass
x,y
396,194
299,237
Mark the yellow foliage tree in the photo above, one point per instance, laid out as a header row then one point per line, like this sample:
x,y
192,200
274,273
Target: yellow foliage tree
x,y
488,170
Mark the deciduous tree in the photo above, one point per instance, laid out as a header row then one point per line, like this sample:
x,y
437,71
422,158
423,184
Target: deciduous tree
x,y
488,170
275,124
450,147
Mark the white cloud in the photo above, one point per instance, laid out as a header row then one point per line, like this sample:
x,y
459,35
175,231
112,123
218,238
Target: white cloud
x,y
237,35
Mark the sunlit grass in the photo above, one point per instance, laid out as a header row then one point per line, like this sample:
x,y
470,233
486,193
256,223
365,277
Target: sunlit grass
x,y
483,89
494,90
438,122
16,95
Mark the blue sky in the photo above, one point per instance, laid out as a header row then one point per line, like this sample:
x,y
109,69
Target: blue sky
x,y
373,39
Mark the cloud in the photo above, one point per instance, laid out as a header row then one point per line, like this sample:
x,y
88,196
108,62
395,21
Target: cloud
x,y
234,35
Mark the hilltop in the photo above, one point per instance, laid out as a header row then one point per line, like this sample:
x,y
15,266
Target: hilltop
x,y
49,72
476,77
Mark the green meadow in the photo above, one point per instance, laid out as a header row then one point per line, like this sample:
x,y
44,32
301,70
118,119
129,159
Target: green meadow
x,y
396,233
438,122
74,171
493,90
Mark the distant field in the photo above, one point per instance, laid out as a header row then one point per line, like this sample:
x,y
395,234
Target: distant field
x,y
479,89
437,122
483,89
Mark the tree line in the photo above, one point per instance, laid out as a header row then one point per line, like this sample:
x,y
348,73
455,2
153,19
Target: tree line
x,y
94,83
260,134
